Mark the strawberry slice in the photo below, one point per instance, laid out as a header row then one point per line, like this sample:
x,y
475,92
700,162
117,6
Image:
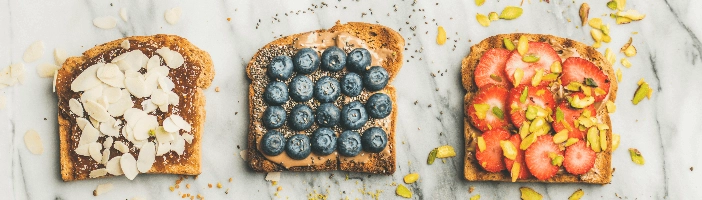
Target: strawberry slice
x,y
538,160
583,71
523,171
487,110
546,56
579,158
491,68
539,96
570,114
491,158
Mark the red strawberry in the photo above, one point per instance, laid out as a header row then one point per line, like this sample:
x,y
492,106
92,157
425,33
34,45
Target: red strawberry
x,y
579,158
523,171
496,98
571,114
537,157
491,158
578,69
546,56
539,96
491,68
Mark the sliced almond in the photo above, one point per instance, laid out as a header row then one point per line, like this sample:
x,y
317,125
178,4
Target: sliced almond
x,y
75,107
87,79
147,157
162,136
170,126
144,126
123,15
97,111
95,151
60,56
178,144
129,166
83,150
163,148
173,98
112,94
180,122
172,58
121,147
94,94
273,176
33,52
33,142
149,106
46,70
153,62
107,144
102,189
188,137
107,22
136,86
113,166
118,108
165,83
89,135
53,86
172,15
111,75
82,122
98,173
242,153
108,128
159,97
105,156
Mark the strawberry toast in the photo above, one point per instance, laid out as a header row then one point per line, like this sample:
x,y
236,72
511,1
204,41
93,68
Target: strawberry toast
x,y
535,110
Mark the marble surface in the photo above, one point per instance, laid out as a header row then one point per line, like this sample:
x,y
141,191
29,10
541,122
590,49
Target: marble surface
x,y
665,128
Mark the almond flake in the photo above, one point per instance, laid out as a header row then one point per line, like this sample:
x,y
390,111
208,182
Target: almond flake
x,y
105,156
165,83
121,147
129,166
153,62
111,75
112,94
173,98
188,137
149,106
75,107
162,136
53,87
98,173
159,97
17,70
173,15
178,144
89,135
172,58
107,144
33,142
83,150
46,70
34,52
118,108
242,153
87,79
170,126
105,22
60,56
123,15
108,128
102,189
163,148
81,123
144,126
94,151
3,101
97,111
94,94
113,166
147,157
273,176
180,122
136,86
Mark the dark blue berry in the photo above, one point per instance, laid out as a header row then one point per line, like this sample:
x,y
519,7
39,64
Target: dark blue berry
x,y
298,147
328,115
274,117
349,143
276,93
327,89
353,116
273,143
333,59
375,79
306,61
379,105
323,141
351,84
301,88
374,140
280,68
358,59
301,117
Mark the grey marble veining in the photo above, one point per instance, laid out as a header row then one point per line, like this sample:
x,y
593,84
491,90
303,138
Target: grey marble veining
x,y
664,128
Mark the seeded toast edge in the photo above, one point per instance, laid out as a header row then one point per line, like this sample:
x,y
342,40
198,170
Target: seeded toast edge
x,y
376,36
601,172
192,55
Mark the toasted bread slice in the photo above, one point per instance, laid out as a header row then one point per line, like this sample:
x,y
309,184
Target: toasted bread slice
x,y
377,38
601,173
190,79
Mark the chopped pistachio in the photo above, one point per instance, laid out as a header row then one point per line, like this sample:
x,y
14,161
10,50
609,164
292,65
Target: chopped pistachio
x,y
536,80
479,2
626,63
611,107
445,151
561,136
524,130
584,12
508,44
481,144
619,74
530,194
578,193
508,149
603,140
402,191
523,96
432,157
612,5
523,45
593,139
476,197
493,16
498,112
481,110
595,22
511,12
411,178
495,77
556,67
529,58
482,20
636,156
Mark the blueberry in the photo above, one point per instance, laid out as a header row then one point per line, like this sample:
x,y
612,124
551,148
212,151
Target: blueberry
x,y
301,88
327,89
274,117
353,115
298,147
349,143
306,61
358,59
276,93
323,141
327,115
333,59
374,140
375,79
273,143
351,84
280,68
301,117
379,105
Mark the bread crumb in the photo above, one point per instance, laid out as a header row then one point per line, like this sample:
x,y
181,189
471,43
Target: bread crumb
x,y
217,89
171,188
187,185
470,189
229,19
230,179
280,188
209,185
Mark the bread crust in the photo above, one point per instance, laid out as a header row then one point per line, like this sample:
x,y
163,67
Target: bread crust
x,y
375,36
193,57
602,171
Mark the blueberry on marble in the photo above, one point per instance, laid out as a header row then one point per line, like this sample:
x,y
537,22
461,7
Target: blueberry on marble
x,y
274,117
298,147
353,116
333,59
374,140
349,143
328,115
358,59
280,68
276,93
351,84
306,61
301,88
273,143
323,141
375,79
301,117
379,105
327,89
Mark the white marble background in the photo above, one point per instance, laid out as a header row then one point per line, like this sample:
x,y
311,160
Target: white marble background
x,y
666,128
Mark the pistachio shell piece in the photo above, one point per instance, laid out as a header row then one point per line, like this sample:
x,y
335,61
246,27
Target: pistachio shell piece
x,y
33,142
98,173
482,20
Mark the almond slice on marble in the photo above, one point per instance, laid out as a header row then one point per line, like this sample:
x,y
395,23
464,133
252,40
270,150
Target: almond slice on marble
x,y
105,156
60,56
102,189
118,108
75,107
144,126
172,58
147,157
107,22
33,52
129,166
33,142
46,70
53,86
188,137
123,15
136,86
170,126
82,122
87,79
95,151
121,147
159,97
107,144
17,71
133,60
162,136
83,150
108,128
173,98
138,143
178,144
163,148
172,15
98,173
113,166
113,95
153,62
2,102
111,75
97,111
89,135
180,122
21,78
148,106
242,153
